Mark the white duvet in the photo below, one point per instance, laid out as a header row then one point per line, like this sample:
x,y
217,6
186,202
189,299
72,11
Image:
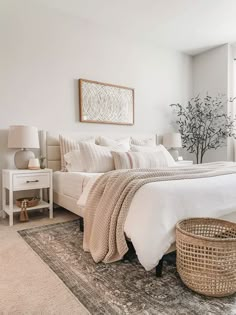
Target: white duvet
x,y
157,207
73,184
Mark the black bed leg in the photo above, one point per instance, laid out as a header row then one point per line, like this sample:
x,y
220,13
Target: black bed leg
x,y
81,224
159,268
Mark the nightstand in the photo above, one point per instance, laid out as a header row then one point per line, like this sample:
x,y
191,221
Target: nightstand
x,y
184,163
22,180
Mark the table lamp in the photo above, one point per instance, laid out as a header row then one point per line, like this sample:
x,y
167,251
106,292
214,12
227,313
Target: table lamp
x,y
24,138
172,141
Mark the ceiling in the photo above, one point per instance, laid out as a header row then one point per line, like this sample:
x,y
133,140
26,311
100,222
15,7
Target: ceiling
x,y
190,26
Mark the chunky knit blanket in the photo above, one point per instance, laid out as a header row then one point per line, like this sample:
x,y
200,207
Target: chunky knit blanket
x,y
110,197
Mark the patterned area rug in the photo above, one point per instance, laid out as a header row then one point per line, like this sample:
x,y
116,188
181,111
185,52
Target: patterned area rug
x,y
119,288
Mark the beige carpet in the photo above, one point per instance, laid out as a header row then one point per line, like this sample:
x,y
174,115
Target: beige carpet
x,y
27,284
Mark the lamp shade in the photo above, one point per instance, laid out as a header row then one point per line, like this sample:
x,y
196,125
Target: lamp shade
x,y
172,140
23,137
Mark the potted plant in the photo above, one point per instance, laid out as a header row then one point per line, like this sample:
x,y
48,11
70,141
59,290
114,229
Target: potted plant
x,y
204,125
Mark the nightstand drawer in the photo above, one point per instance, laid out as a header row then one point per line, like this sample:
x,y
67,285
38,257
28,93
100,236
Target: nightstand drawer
x,y
30,181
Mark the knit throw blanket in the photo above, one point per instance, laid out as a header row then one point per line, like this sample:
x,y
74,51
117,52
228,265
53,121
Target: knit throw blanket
x,y
110,197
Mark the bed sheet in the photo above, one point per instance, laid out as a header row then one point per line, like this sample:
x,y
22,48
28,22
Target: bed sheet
x,y
72,184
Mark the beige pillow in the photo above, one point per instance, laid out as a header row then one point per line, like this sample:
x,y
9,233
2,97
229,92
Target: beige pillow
x,y
146,142
67,145
144,148
108,142
131,160
156,148
97,158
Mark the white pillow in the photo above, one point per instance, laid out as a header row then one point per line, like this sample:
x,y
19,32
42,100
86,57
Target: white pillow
x,y
97,158
108,142
67,145
157,148
132,160
151,141
74,161
143,148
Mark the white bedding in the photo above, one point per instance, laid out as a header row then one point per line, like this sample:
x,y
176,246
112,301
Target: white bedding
x,y
157,207
72,184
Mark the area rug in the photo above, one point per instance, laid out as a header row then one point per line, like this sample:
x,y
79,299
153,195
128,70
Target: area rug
x,y
118,288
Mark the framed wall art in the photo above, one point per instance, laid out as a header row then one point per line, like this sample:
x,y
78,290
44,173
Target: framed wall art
x,y
105,103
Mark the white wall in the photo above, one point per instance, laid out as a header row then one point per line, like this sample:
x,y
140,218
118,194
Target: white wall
x,y
211,74
44,52
210,71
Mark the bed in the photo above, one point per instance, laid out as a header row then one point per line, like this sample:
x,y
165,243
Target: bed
x,y
218,202
68,186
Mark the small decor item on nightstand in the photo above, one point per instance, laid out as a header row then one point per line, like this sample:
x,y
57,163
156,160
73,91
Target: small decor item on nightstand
x,y
23,214
34,164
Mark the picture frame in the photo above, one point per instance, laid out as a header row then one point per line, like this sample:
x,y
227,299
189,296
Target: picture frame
x,y
105,103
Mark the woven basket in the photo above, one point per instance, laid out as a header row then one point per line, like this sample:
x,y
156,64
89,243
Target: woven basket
x,y
206,255
31,201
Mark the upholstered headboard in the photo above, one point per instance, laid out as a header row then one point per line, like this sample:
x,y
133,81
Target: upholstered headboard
x,y
50,148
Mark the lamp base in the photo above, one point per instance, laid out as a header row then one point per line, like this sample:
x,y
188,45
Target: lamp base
x,y
174,153
22,158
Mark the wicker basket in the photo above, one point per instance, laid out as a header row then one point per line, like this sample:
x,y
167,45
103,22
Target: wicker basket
x,y
206,255
31,201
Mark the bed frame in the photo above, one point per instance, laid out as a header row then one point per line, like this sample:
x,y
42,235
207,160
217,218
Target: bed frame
x,y
49,143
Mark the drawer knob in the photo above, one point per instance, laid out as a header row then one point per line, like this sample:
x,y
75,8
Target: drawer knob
x,y
32,181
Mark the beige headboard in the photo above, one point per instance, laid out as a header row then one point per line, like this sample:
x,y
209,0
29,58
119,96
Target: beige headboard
x,y
49,144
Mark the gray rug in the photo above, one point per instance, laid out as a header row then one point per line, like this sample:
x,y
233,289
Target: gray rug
x,y
119,288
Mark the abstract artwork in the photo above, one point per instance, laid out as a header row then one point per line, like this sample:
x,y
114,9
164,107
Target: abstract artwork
x,y
105,103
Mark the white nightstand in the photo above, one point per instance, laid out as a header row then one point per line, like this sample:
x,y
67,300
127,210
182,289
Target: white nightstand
x,y
17,180
184,163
